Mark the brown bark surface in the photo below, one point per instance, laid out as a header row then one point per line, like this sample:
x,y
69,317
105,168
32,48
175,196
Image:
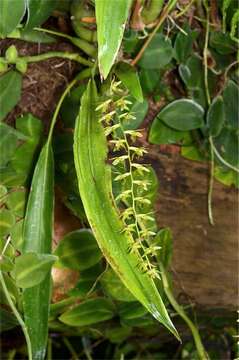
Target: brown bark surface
x,y
205,260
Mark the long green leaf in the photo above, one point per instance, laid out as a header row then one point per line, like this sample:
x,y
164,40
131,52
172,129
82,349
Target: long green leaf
x,y
94,178
37,237
111,17
11,12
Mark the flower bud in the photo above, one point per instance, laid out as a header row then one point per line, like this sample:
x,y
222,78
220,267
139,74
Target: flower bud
x,y
21,65
11,55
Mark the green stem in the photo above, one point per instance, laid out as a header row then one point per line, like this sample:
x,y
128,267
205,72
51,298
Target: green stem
x,y
223,161
211,180
211,176
82,75
60,54
195,333
84,45
18,316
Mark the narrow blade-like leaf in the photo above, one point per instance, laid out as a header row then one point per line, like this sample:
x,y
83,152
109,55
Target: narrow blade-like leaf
x,y
110,18
37,237
94,178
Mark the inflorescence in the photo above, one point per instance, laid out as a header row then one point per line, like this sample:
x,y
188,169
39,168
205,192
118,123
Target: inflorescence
x,y
115,112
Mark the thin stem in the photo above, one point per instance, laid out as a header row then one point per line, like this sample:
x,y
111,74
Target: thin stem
x,y
196,336
18,316
162,17
211,176
84,45
84,74
61,54
223,161
205,57
183,11
211,180
70,348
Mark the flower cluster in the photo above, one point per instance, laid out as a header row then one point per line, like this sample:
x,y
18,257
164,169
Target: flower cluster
x,y
115,112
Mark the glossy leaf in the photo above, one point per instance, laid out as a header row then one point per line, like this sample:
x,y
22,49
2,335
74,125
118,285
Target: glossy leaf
x,y
10,91
129,77
163,134
37,237
38,12
231,98
183,44
110,37
227,144
182,114
114,287
12,12
6,263
158,53
139,111
133,310
78,250
216,116
87,280
31,269
94,177
88,313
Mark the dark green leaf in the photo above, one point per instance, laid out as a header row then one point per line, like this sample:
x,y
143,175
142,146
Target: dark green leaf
x,y
31,269
182,114
231,98
222,43
78,250
87,280
216,116
8,144
38,12
8,321
158,54
133,310
164,240
37,237
162,134
110,37
149,79
10,91
227,144
139,110
129,77
88,313
11,12
183,44
114,287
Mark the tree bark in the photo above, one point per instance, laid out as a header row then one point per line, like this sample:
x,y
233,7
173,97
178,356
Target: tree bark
x,y
205,257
